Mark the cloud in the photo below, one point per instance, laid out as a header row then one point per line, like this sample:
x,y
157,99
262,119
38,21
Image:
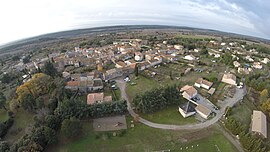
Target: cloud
x,y
30,17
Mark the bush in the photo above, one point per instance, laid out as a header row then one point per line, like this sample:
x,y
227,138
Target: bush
x,y
71,128
4,127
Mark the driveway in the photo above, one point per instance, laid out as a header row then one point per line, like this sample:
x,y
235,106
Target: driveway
x,y
239,94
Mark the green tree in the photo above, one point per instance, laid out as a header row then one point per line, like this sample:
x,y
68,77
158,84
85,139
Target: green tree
x,y
263,95
4,147
3,100
28,103
71,127
50,70
136,70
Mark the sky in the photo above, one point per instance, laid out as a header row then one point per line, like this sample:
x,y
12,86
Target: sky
x,y
26,18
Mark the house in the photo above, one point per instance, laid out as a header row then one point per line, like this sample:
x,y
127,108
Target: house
x,y
120,64
98,85
203,83
66,75
188,92
138,56
212,91
190,57
249,58
257,65
245,70
112,73
229,79
259,123
265,60
154,62
95,98
178,47
236,64
187,109
203,111
72,85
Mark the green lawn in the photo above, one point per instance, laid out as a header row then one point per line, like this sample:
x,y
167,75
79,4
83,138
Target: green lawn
x,y
142,84
22,119
169,115
143,138
3,115
242,112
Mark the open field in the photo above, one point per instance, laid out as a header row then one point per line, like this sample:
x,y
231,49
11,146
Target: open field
x,y
162,79
142,84
3,115
169,115
22,119
242,112
142,138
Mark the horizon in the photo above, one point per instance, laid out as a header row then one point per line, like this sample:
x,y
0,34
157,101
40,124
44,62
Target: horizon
x,y
110,26
39,18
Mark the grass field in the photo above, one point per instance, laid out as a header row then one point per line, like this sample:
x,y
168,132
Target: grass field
x,y
3,115
22,119
142,138
169,115
242,112
142,84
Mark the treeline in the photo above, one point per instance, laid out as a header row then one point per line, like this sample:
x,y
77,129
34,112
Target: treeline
x,y
62,106
257,82
5,126
45,128
157,99
259,48
247,140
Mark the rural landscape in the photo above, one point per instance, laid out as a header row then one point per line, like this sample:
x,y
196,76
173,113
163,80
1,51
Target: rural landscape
x,y
135,88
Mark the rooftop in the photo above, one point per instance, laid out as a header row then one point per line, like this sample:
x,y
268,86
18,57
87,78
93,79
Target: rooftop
x,y
259,123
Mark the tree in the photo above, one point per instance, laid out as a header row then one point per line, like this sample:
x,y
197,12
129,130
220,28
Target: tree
x,y
14,105
263,95
71,127
4,147
28,103
49,69
3,100
26,59
136,70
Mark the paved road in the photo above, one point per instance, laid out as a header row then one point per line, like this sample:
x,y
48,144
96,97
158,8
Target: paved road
x,y
239,94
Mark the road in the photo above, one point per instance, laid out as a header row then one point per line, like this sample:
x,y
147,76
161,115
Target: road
x,y
239,94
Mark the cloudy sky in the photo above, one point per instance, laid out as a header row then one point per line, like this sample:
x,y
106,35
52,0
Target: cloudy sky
x,y
27,18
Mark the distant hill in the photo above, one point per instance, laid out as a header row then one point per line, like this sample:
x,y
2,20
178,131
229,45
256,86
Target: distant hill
x,y
28,43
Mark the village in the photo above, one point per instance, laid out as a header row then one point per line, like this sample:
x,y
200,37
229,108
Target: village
x,y
210,78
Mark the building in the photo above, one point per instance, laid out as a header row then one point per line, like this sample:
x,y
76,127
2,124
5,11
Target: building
x,y
203,111
188,92
187,109
265,60
259,123
120,64
138,56
112,73
178,47
212,91
95,98
85,85
203,83
229,79
236,64
190,57
244,70
257,65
